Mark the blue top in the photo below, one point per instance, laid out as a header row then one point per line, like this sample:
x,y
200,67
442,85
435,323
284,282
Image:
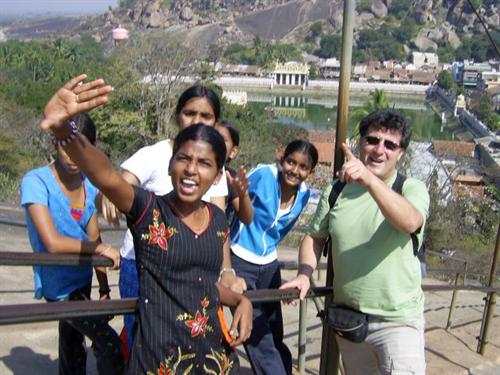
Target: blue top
x,y
40,186
257,242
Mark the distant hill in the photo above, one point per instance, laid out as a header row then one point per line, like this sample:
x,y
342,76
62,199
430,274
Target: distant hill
x,y
439,24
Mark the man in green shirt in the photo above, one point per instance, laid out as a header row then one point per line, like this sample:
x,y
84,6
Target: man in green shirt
x,y
375,269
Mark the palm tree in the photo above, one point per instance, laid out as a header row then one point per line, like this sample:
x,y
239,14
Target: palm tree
x,y
377,100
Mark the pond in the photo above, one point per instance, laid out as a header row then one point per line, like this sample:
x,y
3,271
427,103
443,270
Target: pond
x,y
320,113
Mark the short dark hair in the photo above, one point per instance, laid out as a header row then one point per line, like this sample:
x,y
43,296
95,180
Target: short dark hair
x,y
233,133
86,126
199,92
388,119
304,147
202,132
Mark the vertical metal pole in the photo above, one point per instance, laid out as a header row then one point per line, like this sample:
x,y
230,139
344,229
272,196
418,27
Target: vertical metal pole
x,y
302,336
330,356
491,299
452,304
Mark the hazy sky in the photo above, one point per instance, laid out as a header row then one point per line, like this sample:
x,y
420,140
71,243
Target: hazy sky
x,y
41,7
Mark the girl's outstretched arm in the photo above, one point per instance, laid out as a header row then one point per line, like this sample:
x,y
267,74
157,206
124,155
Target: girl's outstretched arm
x,y
75,97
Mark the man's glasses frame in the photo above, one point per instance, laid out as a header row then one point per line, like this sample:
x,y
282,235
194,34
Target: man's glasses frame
x,y
375,141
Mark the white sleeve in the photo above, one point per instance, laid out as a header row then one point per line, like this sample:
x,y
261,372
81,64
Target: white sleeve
x,y
142,164
219,189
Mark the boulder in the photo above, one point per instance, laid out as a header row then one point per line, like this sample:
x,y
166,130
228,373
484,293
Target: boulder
x,y
423,42
186,14
379,9
156,20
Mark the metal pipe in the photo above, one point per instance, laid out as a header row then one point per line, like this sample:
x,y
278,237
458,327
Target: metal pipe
x,y
490,300
452,304
330,356
302,336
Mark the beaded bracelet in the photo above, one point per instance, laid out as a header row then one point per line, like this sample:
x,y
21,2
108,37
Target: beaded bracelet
x,y
74,133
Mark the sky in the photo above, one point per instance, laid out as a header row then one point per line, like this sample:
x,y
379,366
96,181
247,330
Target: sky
x,y
30,8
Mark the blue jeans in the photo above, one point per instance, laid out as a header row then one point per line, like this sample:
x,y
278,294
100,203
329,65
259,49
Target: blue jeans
x,y
129,288
265,347
105,342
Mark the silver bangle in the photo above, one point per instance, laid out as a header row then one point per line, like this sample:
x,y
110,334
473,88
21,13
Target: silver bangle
x,y
74,133
227,270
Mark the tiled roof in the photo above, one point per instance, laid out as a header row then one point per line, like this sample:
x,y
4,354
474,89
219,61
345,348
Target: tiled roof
x,y
321,136
324,141
453,148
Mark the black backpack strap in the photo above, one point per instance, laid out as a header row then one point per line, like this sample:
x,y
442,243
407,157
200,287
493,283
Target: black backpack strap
x,y
334,194
397,186
337,187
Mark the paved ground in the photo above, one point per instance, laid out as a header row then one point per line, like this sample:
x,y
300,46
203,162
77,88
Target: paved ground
x,y
32,348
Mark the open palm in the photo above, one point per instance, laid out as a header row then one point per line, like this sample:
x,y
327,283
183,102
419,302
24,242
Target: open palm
x,y
74,97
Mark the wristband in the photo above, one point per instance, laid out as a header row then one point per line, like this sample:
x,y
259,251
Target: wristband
x,y
74,133
306,270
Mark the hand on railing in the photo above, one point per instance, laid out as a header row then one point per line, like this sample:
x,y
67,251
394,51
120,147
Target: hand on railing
x,y
111,253
301,282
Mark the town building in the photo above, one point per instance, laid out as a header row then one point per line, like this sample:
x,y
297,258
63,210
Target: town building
x,y
291,73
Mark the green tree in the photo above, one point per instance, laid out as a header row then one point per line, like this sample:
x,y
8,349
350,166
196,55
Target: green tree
x,y
330,46
446,81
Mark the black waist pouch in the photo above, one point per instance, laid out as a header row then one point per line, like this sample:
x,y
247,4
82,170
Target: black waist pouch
x,y
346,322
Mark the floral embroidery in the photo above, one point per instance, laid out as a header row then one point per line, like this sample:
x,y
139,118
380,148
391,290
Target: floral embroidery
x,y
169,367
222,361
158,233
198,322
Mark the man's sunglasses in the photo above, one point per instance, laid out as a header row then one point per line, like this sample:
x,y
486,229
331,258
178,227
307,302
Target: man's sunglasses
x,y
389,145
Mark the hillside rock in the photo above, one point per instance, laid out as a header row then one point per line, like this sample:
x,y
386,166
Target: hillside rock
x,y
379,9
423,42
186,14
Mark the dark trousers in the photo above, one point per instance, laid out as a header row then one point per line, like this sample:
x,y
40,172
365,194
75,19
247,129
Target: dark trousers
x,y
105,342
265,347
129,288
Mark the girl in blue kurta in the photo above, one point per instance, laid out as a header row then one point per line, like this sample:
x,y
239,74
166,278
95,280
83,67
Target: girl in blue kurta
x,y
61,216
278,197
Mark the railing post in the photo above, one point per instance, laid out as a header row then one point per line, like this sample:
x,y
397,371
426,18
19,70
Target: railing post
x,y
489,306
330,356
302,335
452,304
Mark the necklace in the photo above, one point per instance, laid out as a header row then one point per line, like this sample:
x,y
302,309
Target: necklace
x,y
195,224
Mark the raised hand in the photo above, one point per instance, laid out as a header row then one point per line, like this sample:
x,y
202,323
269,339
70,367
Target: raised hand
x,y
353,171
239,183
74,97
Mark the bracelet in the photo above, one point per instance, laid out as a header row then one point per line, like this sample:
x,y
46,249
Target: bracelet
x,y
306,270
227,270
74,133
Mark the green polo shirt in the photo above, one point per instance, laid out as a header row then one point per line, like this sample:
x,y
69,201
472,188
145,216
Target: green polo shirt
x,y
375,270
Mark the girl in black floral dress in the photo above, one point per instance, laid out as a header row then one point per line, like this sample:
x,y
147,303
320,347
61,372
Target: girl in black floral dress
x,y
179,242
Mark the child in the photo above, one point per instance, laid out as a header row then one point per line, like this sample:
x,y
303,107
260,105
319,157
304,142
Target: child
x,y
237,200
278,198
59,206
178,240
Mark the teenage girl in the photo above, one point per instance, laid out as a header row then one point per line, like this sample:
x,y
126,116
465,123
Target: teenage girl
x,y
237,199
59,206
178,240
146,168
278,197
